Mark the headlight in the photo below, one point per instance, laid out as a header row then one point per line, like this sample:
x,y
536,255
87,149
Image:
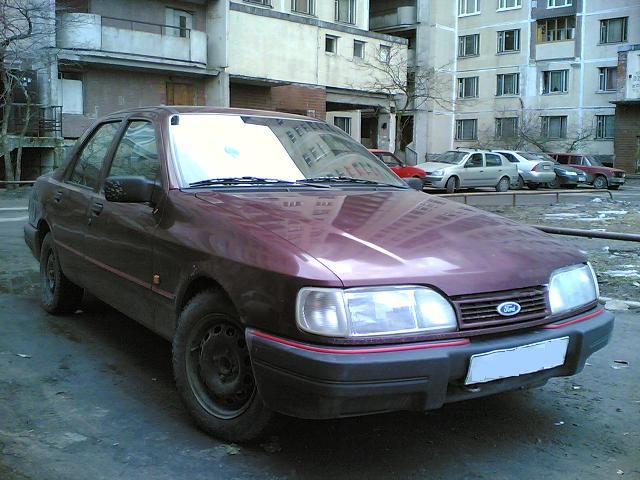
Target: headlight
x,y
572,287
359,312
438,173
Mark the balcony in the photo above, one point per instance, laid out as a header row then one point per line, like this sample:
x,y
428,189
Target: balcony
x,y
96,37
34,120
395,19
556,50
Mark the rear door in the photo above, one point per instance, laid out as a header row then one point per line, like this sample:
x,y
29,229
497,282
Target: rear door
x,y
494,170
120,235
68,212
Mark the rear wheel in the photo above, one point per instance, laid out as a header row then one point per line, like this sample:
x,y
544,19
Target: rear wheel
x,y
503,185
600,182
451,185
212,370
520,184
533,186
57,293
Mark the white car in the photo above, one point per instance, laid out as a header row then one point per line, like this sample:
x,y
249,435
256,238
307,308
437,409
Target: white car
x,y
534,169
469,168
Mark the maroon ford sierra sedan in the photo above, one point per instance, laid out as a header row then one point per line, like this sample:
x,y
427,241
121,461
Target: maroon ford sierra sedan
x,y
293,272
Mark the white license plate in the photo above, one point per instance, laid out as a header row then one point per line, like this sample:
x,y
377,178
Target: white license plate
x,y
546,167
511,362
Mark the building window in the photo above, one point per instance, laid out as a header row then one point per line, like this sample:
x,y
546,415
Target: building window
x,y
358,49
504,4
508,84
613,30
469,45
468,7
554,127
605,125
556,29
555,81
178,22
467,129
468,87
343,123
559,3
330,44
608,79
346,11
384,53
303,6
507,127
508,41
266,3
70,91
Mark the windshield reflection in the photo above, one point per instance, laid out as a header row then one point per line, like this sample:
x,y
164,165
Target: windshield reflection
x,y
210,146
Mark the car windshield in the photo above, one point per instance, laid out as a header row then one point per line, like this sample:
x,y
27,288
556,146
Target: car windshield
x,y
231,149
453,157
536,156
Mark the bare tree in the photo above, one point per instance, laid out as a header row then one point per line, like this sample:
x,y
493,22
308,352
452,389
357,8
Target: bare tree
x,y
27,33
529,134
408,87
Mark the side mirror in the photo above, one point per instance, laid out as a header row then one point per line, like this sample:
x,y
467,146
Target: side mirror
x,y
128,189
414,183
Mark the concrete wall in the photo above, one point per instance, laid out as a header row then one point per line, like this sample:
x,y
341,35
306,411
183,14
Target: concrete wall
x,y
283,49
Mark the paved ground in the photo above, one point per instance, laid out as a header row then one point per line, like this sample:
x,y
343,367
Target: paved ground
x,y
91,396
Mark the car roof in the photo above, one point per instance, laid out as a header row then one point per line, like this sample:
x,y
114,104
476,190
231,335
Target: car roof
x,y
168,110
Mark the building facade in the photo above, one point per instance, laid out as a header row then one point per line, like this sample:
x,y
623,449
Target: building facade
x,y
539,74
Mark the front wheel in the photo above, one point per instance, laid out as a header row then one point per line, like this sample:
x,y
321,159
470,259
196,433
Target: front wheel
x,y
503,185
600,182
451,185
555,183
57,293
213,373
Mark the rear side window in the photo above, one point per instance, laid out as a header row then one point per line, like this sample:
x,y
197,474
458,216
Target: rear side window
x,y
89,162
564,159
510,157
137,153
493,160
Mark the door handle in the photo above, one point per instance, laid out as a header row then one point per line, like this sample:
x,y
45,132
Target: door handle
x,y
57,196
96,208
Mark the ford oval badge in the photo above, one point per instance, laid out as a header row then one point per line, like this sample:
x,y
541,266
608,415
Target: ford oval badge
x,y
508,309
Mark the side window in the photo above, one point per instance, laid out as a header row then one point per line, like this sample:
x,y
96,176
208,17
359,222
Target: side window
x,y
89,162
475,160
563,159
510,157
137,153
493,160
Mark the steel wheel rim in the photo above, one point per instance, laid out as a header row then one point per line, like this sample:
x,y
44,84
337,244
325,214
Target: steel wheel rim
x,y
50,274
219,367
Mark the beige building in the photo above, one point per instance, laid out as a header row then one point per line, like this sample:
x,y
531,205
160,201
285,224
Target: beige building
x,y
308,57
544,71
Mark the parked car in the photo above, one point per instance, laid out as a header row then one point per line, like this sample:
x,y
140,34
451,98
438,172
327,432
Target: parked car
x,y
597,174
294,273
567,177
534,169
399,167
466,168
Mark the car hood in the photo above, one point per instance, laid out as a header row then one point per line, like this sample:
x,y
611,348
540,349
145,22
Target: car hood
x,y
408,237
433,166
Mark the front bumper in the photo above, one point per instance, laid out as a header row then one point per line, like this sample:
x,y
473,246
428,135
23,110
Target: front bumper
x,y
434,181
616,180
316,381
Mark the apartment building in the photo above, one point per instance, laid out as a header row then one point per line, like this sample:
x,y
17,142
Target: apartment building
x,y
536,73
306,57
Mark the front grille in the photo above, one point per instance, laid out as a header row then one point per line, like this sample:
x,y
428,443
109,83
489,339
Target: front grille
x,y
476,311
618,174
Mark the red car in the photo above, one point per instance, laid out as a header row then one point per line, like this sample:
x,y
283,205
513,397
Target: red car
x,y
597,174
398,166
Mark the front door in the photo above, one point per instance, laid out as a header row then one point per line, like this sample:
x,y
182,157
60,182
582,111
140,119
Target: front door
x,y
120,235
473,171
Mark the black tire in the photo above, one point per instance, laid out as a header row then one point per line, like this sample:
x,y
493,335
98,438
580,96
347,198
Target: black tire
x,y
520,184
554,184
57,293
213,373
600,182
451,185
503,185
533,186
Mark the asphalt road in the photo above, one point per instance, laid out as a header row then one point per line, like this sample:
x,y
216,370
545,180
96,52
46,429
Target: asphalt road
x,y
91,396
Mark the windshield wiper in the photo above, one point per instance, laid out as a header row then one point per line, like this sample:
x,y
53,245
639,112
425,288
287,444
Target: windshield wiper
x,y
240,181
344,179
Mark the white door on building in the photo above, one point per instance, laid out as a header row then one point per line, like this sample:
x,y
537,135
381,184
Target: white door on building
x,y
348,120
